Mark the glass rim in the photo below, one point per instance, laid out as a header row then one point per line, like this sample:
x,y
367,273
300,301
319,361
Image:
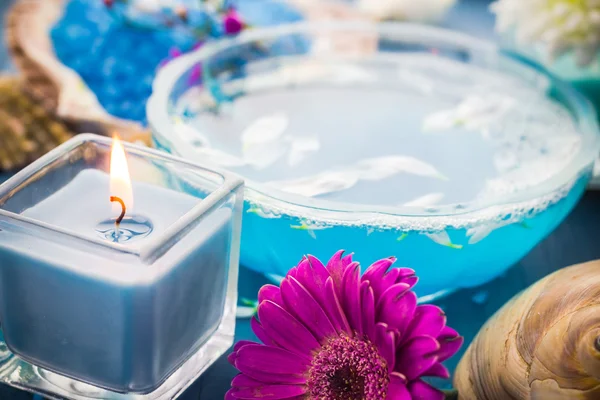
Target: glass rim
x,y
152,248
342,213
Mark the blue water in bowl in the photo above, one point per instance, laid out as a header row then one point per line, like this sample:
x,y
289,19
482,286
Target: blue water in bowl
x,y
436,145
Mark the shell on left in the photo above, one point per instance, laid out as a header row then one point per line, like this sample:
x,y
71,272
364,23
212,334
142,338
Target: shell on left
x,y
27,129
52,84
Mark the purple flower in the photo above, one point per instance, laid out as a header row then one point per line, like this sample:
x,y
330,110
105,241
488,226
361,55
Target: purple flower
x,y
329,333
174,52
232,22
195,74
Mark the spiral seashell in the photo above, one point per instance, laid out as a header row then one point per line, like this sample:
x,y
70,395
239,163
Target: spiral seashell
x,y
542,345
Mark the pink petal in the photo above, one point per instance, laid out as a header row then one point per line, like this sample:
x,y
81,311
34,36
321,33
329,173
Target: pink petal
x,y
448,332
305,309
397,389
448,347
271,364
416,357
385,340
232,357
275,392
437,370
293,271
397,377
260,333
270,292
396,307
174,52
336,269
286,330
376,273
376,270
428,320
407,275
244,381
229,394
420,390
351,302
195,74
241,344
367,303
311,273
334,310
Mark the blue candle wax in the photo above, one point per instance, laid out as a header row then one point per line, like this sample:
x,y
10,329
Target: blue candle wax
x,y
108,315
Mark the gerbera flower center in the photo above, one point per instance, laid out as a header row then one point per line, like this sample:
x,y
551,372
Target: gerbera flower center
x,y
347,368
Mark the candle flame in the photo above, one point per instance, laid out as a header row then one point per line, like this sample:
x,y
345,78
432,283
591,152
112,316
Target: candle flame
x,y
120,181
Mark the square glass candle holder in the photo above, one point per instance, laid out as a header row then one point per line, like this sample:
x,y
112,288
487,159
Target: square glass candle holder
x,y
85,315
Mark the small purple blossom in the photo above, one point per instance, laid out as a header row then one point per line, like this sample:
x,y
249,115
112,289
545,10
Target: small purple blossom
x,y
195,74
232,22
330,334
173,54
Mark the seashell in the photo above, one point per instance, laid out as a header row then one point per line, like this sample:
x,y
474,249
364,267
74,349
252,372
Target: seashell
x,y
27,130
55,86
543,344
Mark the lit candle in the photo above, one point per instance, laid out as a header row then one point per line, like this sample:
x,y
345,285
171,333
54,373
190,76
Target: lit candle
x,y
120,307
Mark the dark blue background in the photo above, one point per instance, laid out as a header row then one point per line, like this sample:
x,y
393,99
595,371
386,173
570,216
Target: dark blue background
x,y
573,242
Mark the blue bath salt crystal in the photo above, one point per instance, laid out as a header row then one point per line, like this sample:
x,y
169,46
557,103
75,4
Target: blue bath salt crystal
x,y
118,62
480,297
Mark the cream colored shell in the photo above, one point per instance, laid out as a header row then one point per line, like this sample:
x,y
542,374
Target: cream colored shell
x,y
542,345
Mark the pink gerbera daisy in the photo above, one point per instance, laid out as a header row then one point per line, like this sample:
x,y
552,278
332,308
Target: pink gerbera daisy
x,y
330,334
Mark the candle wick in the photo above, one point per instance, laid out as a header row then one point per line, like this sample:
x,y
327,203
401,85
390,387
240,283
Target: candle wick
x,y
123,209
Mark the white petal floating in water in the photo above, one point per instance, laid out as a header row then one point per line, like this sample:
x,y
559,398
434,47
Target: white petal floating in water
x,y
310,228
369,169
474,113
265,129
378,168
443,238
439,121
263,155
352,74
189,134
244,312
301,147
426,200
262,213
323,183
479,232
218,157
416,80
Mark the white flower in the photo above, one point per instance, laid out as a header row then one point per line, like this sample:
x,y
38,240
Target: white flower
x,y
409,10
474,113
558,25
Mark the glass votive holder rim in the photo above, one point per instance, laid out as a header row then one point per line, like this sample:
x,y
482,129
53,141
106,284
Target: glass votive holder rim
x,y
149,249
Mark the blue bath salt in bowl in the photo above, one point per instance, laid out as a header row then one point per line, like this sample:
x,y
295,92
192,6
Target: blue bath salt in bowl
x,y
384,140
118,61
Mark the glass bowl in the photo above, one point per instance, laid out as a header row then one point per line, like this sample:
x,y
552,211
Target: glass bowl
x,y
383,139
